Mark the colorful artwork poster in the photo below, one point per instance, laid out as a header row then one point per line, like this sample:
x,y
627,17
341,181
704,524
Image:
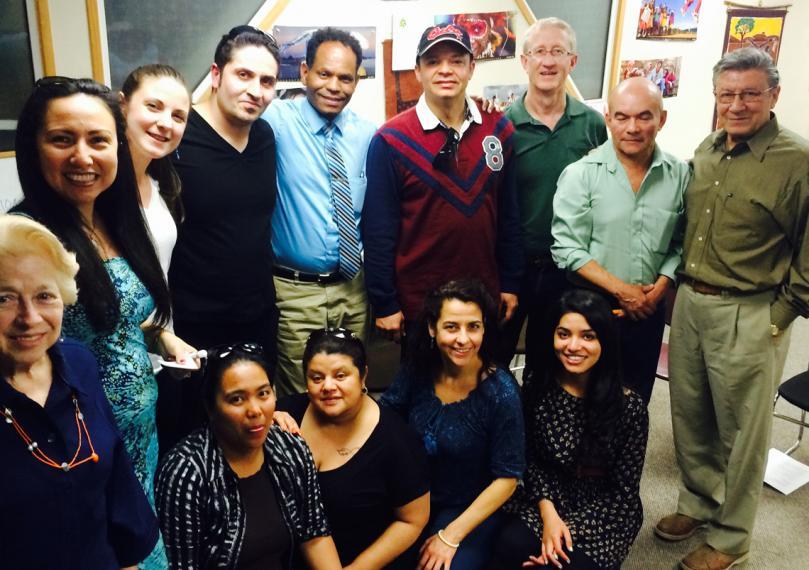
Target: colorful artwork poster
x,y
503,96
292,42
402,89
491,33
759,28
668,19
665,72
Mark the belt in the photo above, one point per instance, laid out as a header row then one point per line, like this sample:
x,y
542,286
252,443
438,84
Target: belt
x,y
294,275
705,288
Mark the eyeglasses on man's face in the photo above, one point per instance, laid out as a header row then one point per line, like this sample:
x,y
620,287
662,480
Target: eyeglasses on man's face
x,y
555,52
746,96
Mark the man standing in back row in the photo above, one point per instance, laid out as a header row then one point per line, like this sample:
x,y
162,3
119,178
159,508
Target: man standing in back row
x,y
551,130
441,201
321,149
745,278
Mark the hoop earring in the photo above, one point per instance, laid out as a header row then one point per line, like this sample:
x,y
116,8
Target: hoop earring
x,y
364,390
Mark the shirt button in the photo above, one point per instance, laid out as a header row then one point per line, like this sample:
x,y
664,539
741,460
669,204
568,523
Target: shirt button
x,y
728,157
51,437
708,211
693,265
699,238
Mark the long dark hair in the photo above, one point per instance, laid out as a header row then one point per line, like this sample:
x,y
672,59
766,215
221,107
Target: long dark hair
x,y
117,206
161,169
423,358
604,399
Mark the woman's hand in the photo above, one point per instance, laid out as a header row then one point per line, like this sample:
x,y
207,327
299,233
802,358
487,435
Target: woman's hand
x,y
286,422
555,536
172,347
435,555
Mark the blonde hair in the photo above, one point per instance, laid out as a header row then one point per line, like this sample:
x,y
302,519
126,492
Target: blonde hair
x,y
21,236
550,23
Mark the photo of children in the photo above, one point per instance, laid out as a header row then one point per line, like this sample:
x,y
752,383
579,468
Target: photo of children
x,y
502,96
665,73
668,19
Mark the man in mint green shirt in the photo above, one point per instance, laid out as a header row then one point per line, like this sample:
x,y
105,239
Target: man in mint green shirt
x,y
551,131
616,224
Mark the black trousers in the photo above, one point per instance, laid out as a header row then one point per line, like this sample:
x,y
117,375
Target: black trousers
x,y
640,350
542,285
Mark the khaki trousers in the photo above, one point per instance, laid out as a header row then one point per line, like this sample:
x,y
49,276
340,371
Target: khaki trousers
x,y
723,363
305,307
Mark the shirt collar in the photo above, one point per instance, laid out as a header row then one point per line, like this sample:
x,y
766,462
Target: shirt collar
x,y
429,121
316,121
758,143
60,373
605,154
520,115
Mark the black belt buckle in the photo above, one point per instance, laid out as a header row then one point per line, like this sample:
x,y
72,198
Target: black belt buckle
x,y
302,277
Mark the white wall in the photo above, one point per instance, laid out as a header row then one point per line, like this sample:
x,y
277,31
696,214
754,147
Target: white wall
x,y
691,112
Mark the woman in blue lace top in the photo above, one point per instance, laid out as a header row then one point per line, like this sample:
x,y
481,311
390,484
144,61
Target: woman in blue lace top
x,y
468,414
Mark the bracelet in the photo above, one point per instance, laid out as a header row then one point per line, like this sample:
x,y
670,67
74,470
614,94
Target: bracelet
x,y
445,541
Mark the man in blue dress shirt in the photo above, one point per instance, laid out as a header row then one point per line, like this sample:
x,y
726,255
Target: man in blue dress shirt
x,y
616,224
320,148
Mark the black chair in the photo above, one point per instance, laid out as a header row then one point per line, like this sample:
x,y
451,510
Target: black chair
x,y
796,392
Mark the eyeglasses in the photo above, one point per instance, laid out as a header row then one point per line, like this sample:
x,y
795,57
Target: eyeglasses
x,y
223,351
746,96
449,148
555,53
337,332
245,29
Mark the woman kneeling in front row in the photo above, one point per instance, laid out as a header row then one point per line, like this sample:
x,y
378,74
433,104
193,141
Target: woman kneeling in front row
x,y
580,507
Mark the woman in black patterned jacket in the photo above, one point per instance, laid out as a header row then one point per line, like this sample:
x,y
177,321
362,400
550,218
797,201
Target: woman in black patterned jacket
x,y
240,493
580,506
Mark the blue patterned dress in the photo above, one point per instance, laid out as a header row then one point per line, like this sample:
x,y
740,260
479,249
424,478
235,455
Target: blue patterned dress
x,y
126,374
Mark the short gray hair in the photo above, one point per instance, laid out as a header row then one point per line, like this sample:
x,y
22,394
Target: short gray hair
x,y
20,236
550,23
744,59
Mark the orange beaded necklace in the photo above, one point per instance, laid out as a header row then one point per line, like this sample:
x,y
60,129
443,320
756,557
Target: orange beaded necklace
x,y
43,457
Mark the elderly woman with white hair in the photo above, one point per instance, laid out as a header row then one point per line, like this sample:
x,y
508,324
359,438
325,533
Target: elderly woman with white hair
x,y
68,494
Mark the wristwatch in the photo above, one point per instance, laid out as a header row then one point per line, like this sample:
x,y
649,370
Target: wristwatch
x,y
774,330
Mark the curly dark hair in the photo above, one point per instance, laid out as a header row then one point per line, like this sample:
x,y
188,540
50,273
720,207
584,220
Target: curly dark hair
x,y
604,398
422,355
324,35
118,206
335,341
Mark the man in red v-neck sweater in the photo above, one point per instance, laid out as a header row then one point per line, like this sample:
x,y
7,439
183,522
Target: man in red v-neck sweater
x,y
441,201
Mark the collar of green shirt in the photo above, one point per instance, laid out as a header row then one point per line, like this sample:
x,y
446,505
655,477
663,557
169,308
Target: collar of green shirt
x,y
758,143
520,114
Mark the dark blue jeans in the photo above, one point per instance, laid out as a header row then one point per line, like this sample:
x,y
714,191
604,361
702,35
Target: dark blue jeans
x,y
477,548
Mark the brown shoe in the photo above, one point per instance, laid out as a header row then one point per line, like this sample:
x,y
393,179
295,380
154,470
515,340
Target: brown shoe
x,y
708,558
677,527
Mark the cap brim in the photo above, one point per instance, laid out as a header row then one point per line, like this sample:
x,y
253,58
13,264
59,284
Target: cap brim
x,y
437,41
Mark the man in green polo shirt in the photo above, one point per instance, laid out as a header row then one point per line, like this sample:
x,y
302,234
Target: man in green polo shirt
x,y
552,130
745,278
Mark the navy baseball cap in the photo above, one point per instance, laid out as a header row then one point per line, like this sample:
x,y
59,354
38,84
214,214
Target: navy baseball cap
x,y
447,33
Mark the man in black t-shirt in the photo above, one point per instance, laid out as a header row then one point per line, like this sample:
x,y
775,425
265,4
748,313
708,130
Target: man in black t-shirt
x,y
221,269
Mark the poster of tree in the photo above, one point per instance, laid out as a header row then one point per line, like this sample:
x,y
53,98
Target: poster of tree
x,y
755,27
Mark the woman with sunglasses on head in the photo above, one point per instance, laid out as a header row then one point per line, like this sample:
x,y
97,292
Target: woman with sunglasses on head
x,y
468,414
240,492
68,496
371,467
77,179
580,506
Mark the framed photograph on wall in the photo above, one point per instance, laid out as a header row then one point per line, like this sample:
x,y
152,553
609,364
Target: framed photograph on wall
x,y
668,19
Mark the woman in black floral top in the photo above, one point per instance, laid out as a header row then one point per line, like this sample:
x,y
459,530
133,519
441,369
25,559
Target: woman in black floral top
x,y
580,505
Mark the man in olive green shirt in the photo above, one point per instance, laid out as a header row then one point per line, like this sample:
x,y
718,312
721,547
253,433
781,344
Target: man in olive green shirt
x,y
745,277
616,224
552,130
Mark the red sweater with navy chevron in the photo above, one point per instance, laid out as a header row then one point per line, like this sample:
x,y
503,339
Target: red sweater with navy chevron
x,y
423,226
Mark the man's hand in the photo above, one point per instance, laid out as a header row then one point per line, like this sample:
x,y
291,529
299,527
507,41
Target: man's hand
x,y
486,105
656,293
508,304
392,326
634,302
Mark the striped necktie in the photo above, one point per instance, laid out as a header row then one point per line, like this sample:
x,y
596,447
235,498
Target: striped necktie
x,y
349,242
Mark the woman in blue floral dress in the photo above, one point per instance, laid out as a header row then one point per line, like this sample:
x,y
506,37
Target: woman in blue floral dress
x,y
77,178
